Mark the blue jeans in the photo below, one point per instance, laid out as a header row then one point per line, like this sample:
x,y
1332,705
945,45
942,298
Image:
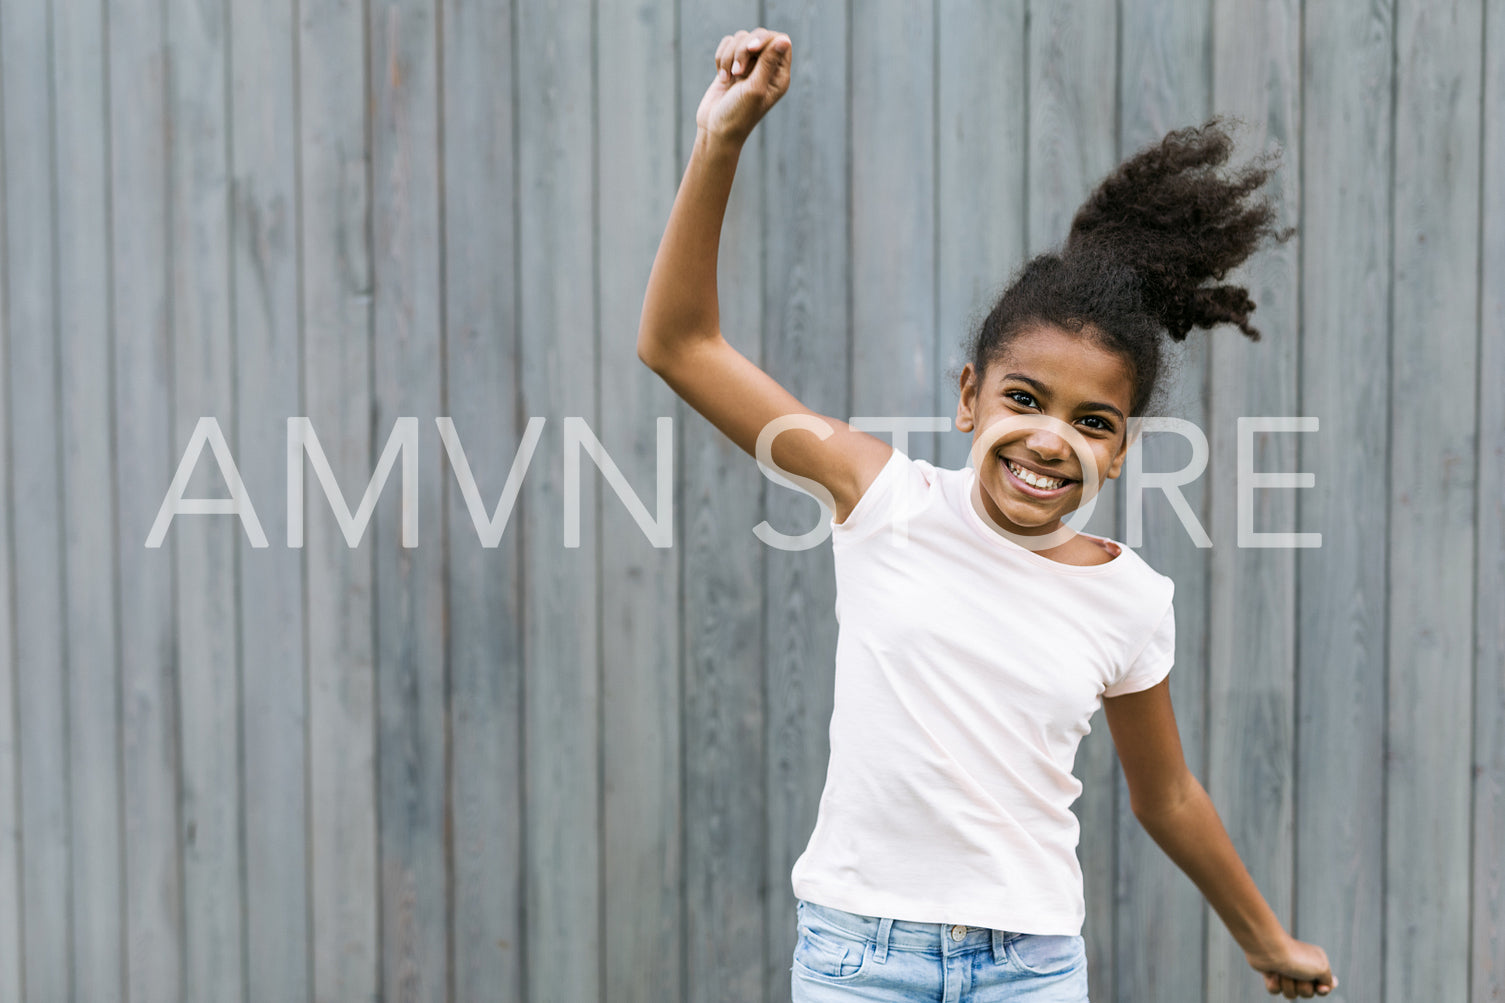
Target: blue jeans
x,y
841,956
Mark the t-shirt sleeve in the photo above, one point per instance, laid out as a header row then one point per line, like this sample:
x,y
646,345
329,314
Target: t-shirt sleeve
x,y
886,498
1153,662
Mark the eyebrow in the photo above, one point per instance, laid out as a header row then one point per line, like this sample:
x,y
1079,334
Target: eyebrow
x,y
1087,405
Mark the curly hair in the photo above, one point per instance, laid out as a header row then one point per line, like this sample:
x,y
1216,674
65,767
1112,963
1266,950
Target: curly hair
x,y
1140,254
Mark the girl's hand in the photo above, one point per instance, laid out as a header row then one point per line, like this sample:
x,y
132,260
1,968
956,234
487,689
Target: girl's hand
x,y
752,73
1295,968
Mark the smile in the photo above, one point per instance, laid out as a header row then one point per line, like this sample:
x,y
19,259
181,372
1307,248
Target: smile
x,y
1036,484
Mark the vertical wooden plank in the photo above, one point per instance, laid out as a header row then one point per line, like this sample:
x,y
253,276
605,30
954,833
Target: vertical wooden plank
x,y
407,350
725,800
1164,83
1436,213
11,972
335,331
1251,665
202,350
1432,479
1487,977
1346,180
1071,140
1073,59
145,455
561,632
264,231
636,175
32,372
806,320
485,585
88,499
893,130
981,120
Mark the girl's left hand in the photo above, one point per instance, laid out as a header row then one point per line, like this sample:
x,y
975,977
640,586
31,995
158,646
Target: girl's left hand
x,y
1295,968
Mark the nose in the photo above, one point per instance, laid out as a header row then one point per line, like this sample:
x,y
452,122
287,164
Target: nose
x,y
1047,444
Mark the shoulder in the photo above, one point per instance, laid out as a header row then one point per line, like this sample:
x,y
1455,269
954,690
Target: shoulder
x,y
1153,590
900,488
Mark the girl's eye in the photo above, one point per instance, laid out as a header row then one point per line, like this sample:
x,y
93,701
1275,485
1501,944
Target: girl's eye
x,y
1029,400
1102,425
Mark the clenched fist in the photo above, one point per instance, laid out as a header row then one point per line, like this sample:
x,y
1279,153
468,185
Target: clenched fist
x,y
752,73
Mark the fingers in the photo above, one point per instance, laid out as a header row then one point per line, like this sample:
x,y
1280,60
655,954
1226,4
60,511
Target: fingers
x,y
724,58
735,54
773,65
748,44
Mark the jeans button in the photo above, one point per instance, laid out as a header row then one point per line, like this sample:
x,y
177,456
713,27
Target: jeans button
x,y
958,932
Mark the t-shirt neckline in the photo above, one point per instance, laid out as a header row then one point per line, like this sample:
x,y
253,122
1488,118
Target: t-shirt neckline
x,y
975,520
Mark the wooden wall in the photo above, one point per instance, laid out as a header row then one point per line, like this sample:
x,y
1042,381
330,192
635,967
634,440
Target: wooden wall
x,y
536,772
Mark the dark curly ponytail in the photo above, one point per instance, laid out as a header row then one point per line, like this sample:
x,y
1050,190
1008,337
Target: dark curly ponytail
x,y
1140,253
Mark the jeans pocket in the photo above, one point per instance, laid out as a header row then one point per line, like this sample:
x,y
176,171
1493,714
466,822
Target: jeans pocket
x,y
1047,954
828,952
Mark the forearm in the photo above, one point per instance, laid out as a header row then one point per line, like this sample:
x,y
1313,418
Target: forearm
x,y
1192,835
680,302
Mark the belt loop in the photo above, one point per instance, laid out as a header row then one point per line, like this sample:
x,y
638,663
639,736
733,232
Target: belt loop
x,y
883,927
998,951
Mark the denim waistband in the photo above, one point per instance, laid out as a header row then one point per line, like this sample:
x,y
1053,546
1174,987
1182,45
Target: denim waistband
x,y
908,935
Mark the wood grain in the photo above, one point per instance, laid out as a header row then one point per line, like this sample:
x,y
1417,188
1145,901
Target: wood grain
x,y
556,115
1433,480
1164,83
485,585
1346,175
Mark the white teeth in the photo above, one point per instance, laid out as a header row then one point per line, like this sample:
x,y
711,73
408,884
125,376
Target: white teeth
x,y
1032,478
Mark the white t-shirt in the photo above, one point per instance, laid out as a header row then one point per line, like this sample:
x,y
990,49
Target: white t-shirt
x,y
967,669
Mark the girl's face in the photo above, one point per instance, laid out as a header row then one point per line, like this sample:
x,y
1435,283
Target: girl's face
x,y
1032,478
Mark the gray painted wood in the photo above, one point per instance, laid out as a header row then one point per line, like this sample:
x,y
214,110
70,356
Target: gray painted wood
x,y
1071,142
11,909
413,795
501,758
556,116
202,385
268,369
31,368
806,328
893,136
485,584
1487,876
1340,615
335,332
1252,621
144,453
981,157
1432,480
1164,83
637,171
726,855
88,501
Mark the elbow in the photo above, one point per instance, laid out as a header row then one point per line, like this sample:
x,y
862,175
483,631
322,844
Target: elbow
x,y
1167,799
649,354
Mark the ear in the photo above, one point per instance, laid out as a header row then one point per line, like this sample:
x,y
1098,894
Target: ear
x,y
968,399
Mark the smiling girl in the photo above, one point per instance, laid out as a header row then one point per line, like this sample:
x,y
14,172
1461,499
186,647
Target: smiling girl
x,y
978,632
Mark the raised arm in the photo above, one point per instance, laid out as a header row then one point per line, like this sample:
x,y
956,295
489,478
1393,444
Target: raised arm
x,y
679,335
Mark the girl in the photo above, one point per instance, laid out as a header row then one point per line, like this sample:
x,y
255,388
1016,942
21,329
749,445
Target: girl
x,y
978,634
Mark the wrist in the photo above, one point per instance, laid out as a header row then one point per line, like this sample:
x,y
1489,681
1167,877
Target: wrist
x,y
1263,948
717,145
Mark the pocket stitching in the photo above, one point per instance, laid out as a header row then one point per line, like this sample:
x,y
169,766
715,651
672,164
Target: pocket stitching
x,y
804,932
1018,959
